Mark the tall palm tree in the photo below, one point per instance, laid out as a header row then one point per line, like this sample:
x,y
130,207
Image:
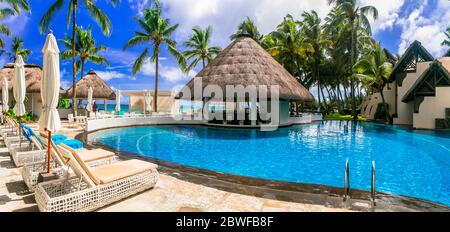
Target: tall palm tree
x,y
311,29
286,44
13,7
18,49
156,31
248,28
198,47
446,42
374,70
85,49
356,17
74,6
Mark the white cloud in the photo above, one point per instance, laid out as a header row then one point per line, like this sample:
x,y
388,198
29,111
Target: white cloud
x,y
388,13
428,30
172,74
109,75
225,15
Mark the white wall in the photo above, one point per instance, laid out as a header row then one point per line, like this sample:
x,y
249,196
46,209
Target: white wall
x,y
405,111
432,108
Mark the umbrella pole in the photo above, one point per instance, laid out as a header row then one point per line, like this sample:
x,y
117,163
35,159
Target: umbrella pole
x,y
49,145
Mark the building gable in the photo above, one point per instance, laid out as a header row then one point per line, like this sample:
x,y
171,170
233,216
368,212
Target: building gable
x,y
435,76
408,62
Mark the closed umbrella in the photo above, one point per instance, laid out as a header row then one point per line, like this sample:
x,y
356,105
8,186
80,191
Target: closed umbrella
x,y
5,94
118,101
89,103
50,86
19,86
147,101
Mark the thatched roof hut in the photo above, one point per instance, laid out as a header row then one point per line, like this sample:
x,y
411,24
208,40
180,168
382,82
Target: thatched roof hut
x,y
101,89
33,75
245,62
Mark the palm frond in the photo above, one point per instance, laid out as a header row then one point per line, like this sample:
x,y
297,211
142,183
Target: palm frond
x,y
49,15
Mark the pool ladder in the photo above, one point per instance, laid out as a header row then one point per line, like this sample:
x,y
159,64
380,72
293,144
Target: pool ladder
x,y
347,182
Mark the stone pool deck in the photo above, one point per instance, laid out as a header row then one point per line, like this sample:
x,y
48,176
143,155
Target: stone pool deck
x,y
169,195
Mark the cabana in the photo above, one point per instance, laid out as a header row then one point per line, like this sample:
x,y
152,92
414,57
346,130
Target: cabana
x,y
244,62
102,91
33,75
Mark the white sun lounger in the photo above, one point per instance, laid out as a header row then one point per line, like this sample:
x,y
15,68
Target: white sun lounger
x,y
58,163
94,187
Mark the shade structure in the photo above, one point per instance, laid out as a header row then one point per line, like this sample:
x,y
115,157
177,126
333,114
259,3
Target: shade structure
x,y
19,86
5,95
118,100
89,99
147,101
50,85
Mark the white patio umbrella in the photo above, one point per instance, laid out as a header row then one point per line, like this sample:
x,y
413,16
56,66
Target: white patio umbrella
x,y
19,86
89,103
118,101
50,86
147,101
5,94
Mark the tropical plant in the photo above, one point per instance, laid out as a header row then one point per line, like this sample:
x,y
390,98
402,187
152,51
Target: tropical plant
x,y
13,7
374,70
286,45
74,6
157,32
352,14
85,49
247,28
313,35
446,42
18,49
198,47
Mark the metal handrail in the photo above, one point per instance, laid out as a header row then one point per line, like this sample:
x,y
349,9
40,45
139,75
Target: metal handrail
x,y
346,180
373,190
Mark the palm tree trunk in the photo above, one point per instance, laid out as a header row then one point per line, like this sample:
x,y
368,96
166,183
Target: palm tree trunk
x,y
155,102
82,69
74,66
352,62
203,62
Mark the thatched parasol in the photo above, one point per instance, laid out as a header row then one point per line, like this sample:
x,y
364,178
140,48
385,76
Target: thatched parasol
x,y
101,89
245,62
33,75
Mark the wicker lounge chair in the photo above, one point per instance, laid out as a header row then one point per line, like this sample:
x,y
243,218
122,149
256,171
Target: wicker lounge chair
x,y
59,166
95,187
28,153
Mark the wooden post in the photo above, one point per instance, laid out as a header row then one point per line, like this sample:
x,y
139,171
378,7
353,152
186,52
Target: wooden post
x,y
104,101
49,145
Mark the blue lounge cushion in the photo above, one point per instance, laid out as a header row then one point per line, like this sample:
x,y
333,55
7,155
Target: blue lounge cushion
x,y
73,143
58,138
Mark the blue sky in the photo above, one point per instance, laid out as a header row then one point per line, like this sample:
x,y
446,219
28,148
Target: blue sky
x,y
400,23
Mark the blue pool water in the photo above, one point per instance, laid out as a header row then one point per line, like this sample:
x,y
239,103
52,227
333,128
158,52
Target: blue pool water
x,y
411,163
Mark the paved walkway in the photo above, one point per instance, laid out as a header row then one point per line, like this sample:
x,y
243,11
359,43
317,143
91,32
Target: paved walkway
x,y
170,194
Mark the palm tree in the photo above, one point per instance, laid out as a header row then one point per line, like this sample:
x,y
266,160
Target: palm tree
x,y
73,7
447,41
13,7
18,49
356,17
247,28
312,32
157,32
374,70
85,49
286,44
198,49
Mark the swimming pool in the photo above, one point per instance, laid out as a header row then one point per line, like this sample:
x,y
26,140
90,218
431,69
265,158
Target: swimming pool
x,y
411,163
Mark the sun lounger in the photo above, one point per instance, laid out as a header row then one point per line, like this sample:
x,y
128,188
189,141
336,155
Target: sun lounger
x,y
58,165
95,187
28,153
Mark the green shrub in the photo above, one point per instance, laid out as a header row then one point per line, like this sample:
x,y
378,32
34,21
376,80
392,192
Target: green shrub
x,y
27,117
382,112
63,103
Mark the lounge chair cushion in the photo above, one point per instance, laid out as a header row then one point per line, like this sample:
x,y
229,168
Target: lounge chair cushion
x,y
73,143
95,154
116,171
